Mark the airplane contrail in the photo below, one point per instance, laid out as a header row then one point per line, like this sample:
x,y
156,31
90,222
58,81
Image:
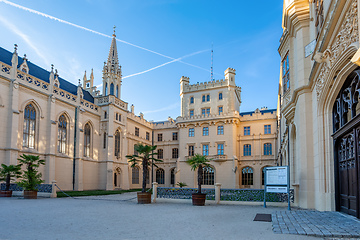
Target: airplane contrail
x,y
93,31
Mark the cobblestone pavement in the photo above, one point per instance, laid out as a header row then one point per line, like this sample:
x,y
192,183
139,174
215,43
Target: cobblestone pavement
x,y
315,223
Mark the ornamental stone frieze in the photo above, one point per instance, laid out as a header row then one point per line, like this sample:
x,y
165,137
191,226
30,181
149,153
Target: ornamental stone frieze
x,y
347,35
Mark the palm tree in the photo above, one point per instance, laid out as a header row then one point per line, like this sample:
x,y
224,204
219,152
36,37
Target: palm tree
x,y
9,172
145,156
198,162
31,176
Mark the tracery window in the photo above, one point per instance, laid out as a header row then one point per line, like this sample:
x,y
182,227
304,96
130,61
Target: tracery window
x,y
111,89
286,73
208,176
87,140
29,126
62,134
117,143
160,176
247,176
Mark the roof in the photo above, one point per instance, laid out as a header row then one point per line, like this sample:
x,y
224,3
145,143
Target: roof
x,y
261,111
40,73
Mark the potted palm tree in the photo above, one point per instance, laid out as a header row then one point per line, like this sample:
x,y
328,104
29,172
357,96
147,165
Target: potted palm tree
x,y
6,174
145,156
31,177
198,162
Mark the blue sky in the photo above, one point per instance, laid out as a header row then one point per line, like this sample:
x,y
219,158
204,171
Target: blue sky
x,y
245,36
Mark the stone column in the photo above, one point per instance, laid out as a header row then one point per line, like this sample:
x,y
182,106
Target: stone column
x,y
154,195
217,192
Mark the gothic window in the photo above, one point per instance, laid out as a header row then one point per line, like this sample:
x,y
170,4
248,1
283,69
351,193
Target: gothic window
x,y
247,150
220,96
106,89
135,175
208,98
191,150
267,149
247,176
62,134
203,98
117,143
172,176
160,154
208,176
117,91
104,141
105,115
220,130
175,153
29,126
111,89
191,100
286,73
160,176
87,140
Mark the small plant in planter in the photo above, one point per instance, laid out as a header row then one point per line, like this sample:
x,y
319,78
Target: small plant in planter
x,y
181,184
7,173
31,177
198,162
145,156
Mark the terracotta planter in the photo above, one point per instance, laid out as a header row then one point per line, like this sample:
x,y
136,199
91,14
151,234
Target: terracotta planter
x,y
30,194
144,198
5,193
198,199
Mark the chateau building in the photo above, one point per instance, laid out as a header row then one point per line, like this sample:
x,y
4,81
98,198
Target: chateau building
x,y
84,135
318,105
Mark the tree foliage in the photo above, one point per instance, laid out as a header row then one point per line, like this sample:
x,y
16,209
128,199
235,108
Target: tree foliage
x,y
7,173
31,176
198,162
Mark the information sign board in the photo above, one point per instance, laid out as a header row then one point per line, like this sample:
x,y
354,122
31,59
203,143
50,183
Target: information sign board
x,y
276,175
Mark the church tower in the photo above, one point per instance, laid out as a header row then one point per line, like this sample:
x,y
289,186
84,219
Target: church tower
x,y
112,72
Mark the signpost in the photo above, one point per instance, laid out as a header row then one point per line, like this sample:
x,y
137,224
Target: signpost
x,y
277,180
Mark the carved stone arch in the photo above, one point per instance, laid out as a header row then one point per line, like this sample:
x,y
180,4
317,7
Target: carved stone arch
x,y
219,122
36,105
66,114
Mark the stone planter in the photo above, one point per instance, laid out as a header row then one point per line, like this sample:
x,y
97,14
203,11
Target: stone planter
x,y
6,193
144,198
198,199
28,194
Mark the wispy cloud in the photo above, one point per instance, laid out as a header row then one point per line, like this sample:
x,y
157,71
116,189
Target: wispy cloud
x,y
172,106
25,38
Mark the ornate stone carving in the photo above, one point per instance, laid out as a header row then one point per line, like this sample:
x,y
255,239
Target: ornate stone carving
x,y
348,34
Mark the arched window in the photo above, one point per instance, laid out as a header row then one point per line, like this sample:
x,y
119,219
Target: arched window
x,y
106,89
172,176
247,150
203,98
191,100
135,175
117,91
267,149
117,143
87,140
105,114
111,89
62,134
220,96
208,98
160,176
104,140
208,176
29,126
247,176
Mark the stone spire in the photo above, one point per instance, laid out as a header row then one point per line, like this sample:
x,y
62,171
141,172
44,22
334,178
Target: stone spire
x,y
112,71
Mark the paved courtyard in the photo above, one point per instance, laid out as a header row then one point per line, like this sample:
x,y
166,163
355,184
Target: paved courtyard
x,y
120,217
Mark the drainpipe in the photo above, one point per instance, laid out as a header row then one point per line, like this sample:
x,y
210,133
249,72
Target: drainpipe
x,y
75,136
152,161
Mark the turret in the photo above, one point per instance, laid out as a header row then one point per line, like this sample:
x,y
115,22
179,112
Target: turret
x,y
230,76
184,81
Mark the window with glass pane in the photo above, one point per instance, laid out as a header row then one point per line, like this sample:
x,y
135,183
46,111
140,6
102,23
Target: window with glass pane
x,y
135,152
203,98
175,153
191,132
29,126
117,91
220,130
191,113
247,176
117,143
117,116
246,130
191,150
106,89
220,110
286,73
191,100
205,131
220,96
208,111
160,154
147,136
172,176
267,129
263,176
208,98
160,137
208,176
104,140
203,112
160,176
220,149
267,149
87,138
135,175
205,150
105,114
137,131
247,150
62,134
175,136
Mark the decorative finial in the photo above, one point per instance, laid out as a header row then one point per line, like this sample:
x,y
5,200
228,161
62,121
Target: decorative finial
x,y
56,72
79,82
114,31
52,67
25,57
15,47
